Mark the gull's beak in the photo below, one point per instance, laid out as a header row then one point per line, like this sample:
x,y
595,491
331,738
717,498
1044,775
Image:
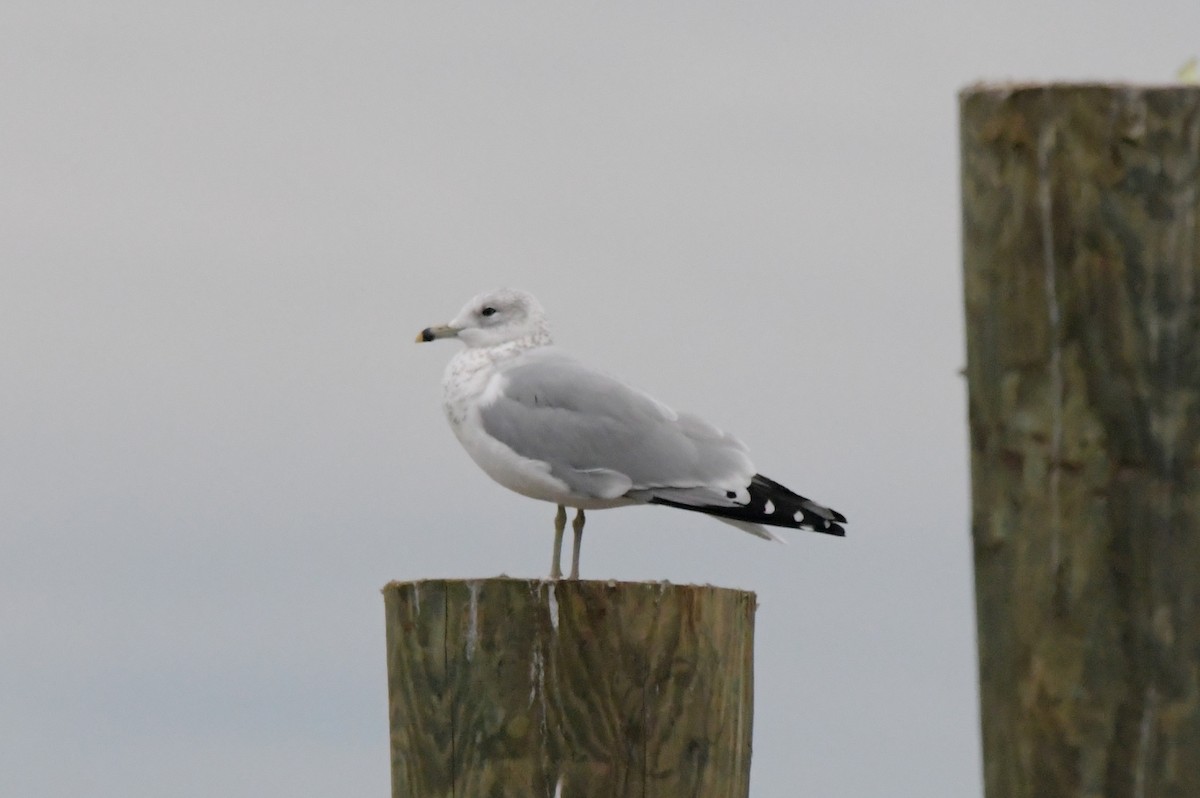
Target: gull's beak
x,y
433,333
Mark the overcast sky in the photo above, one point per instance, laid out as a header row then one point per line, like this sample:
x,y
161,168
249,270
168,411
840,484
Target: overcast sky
x,y
221,225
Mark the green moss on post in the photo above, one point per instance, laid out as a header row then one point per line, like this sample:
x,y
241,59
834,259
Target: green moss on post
x,y
1082,279
512,687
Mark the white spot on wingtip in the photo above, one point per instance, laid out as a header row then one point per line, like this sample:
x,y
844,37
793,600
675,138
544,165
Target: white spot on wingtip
x,y
770,508
799,516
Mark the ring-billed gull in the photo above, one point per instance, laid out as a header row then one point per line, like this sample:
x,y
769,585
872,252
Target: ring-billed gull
x,y
544,425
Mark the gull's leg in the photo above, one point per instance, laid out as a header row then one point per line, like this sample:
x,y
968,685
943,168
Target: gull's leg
x,y
560,524
577,526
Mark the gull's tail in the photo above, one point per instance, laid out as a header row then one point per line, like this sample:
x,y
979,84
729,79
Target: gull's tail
x,y
771,504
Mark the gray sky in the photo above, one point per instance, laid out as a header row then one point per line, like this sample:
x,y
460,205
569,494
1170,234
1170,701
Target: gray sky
x,y
221,225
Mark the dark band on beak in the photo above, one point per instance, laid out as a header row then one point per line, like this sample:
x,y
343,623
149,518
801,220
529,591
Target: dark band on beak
x,y
435,332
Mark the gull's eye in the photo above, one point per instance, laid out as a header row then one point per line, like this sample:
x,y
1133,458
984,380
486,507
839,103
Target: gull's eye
x,y
488,312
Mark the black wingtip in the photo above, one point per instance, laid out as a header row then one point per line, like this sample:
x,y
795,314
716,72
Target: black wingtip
x,y
824,526
771,504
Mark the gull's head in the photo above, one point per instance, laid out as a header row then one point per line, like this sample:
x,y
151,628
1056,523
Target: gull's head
x,y
494,318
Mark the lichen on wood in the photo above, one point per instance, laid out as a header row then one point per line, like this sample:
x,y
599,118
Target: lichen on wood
x,y
1082,287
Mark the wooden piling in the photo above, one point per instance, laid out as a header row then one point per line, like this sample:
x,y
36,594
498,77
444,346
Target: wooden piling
x,y
1082,281
569,689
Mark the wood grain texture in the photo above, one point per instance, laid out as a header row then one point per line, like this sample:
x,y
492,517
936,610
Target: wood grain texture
x,y
1082,269
579,689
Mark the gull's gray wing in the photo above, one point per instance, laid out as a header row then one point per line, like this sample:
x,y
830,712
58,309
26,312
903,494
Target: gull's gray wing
x,y
605,439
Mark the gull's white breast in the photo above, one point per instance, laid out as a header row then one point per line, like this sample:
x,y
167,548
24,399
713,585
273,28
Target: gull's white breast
x,y
471,382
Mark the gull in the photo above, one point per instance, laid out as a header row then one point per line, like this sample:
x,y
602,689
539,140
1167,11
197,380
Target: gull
x,y
544,425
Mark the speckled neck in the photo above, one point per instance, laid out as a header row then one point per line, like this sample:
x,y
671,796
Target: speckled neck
x,y
499,352
468,372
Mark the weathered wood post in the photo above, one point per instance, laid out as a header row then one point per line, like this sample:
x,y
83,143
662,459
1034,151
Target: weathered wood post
x,y
569,689
1082,280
